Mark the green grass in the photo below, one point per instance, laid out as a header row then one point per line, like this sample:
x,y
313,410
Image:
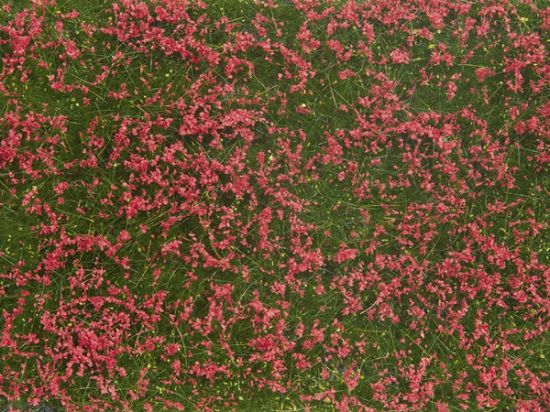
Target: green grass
x,y
326,94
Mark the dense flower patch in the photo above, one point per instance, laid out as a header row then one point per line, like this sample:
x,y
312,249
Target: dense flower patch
x,y
274,205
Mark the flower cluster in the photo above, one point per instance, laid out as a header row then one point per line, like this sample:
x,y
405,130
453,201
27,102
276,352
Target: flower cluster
x,y
319,204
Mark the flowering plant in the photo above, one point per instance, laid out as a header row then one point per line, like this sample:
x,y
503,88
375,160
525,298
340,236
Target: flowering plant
x,y
304,205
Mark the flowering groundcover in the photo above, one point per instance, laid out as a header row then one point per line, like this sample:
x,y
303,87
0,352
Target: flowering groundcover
x,y
274,205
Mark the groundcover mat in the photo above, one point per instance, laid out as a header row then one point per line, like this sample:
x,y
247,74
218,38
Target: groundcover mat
x,y
274,205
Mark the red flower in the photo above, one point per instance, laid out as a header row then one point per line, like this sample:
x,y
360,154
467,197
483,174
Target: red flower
x,y
483,72
400,56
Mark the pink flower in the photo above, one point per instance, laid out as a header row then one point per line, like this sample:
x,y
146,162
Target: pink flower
x,y
399,56
483,72
345,254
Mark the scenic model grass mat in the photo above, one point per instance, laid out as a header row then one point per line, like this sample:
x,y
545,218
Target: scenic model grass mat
x,y
274,205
